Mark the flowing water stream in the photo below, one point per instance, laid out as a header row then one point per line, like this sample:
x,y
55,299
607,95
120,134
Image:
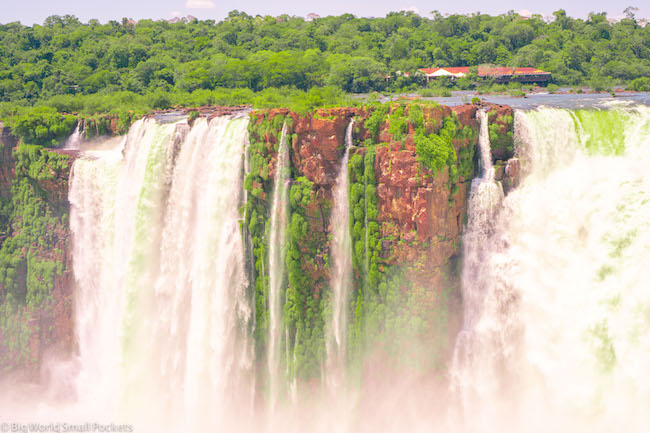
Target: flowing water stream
x,y
277,240
341,269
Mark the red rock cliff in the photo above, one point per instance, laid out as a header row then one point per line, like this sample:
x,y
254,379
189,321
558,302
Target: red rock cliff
x,y
420,213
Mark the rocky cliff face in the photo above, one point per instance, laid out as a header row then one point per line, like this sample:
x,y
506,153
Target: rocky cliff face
x,y
413,204
36,287
407,213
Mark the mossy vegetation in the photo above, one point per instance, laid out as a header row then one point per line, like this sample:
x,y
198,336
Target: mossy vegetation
x,y
436,151
30,257
304,310
264,136
500,131
390,310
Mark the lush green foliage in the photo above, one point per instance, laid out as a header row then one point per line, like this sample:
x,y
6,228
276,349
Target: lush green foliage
x,y
29,258
35,163
436,151
552,88
127,106
42,125
641,84
500,139
304,310
159,64
441,92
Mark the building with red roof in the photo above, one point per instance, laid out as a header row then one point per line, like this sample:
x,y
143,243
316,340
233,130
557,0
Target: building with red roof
x,y
500,74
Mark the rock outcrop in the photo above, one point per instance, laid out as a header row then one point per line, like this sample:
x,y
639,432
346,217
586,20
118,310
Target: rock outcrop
x,y
412,216
415,206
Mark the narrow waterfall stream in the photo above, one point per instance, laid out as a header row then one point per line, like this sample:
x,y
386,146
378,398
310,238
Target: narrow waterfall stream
x,y
277,239
342,267
486,195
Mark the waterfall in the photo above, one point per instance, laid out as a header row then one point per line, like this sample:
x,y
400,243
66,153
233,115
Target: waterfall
x,y
555,281
74,141
159,261
486,168
341,279
277,239
468,377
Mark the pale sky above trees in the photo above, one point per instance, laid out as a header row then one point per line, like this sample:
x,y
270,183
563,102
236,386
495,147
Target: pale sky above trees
x,y
35,11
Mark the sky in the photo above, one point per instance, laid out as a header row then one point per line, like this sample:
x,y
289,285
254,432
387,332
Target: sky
x,y
30,12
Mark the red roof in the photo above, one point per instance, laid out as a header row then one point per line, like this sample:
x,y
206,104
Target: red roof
x,y
495,71
459,69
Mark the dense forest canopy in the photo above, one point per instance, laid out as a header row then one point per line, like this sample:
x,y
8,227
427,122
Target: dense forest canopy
x,y
43,64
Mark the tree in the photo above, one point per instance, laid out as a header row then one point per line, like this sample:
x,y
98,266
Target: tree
x,y
630,11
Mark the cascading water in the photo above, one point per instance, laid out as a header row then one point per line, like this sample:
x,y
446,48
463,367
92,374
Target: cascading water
x,y
160,265
468,377
277,238
555,284
341,269
486,167
74,141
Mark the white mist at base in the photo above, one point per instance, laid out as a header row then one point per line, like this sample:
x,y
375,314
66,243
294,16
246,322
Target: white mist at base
x,y
555,284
